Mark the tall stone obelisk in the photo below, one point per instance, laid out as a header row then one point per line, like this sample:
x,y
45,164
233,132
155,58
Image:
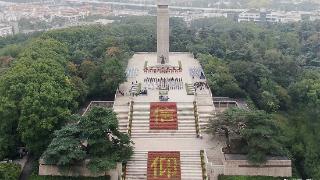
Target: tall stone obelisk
x,y
163,31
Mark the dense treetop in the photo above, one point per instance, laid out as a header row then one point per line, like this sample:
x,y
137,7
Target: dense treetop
x,y
94,137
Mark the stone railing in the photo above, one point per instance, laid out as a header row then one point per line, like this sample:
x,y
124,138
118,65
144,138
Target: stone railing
x,y
216,170
237,164
104,104
78,170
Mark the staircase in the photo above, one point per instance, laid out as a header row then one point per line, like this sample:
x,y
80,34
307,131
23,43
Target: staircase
x,y
122,115
206,109
141,119
190,163
190,89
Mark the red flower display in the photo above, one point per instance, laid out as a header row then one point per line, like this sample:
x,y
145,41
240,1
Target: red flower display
x,y
164,166
163,116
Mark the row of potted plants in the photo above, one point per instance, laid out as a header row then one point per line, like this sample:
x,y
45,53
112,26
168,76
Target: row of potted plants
x,y
203,165
196,117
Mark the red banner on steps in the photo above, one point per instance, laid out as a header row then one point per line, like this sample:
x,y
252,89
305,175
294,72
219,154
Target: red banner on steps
x,y
163,116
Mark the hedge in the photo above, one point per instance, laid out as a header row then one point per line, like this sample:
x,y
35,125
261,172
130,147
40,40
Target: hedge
x,y
10,171
36,177
223,177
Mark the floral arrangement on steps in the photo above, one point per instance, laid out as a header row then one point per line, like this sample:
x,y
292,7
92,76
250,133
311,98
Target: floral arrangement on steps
x,y
203,165
124,171
164,165
130,118
196,117
163,116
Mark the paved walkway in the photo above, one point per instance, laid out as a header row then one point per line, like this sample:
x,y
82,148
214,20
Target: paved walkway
x,y
187,60
27,169
179,144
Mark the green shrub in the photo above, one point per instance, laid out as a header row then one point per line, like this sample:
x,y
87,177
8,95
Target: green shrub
x,y
36,177
145,64
223,177
9,171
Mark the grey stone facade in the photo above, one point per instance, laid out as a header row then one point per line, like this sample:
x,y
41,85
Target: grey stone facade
x,y
163,31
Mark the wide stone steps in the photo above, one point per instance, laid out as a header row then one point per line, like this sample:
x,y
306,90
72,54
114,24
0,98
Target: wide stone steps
x,y
145,125
181,118
184,130
190,164
147,113
122,116
204,100
146,128
141,122
147,107
205,112
179,106
164,135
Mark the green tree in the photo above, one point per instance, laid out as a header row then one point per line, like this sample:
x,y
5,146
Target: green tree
x,y
40,92
104,82
95,137
86,68
106,145
65,149
258,129
9,139
9,171
220,80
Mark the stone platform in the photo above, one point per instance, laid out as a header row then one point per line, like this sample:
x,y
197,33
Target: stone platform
x,y
182,137
193,109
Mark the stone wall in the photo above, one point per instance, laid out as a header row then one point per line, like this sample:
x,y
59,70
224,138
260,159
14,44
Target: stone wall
x,y
235,164
214,171
77,170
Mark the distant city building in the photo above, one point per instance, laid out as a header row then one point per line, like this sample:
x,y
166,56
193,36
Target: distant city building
x,y
272,17
104,21
315,16
249,16
2,16
5,30
74,13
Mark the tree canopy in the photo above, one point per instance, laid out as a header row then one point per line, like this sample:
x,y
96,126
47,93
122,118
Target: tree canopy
x,y
95,137
36,95
258,131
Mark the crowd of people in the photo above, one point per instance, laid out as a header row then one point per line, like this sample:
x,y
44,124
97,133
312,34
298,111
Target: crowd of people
x,y
132,72
201,86
164,83
162,70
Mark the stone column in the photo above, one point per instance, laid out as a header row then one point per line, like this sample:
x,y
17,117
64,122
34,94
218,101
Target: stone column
x,y
163,31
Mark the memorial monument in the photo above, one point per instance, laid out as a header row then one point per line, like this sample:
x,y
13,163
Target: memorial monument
x,y
163,31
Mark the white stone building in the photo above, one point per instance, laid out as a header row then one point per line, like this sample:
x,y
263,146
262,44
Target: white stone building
x,y
5,30
272,17
249,16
